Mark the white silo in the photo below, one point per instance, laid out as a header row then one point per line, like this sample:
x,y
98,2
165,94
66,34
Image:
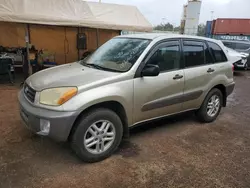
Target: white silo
x,y
192,16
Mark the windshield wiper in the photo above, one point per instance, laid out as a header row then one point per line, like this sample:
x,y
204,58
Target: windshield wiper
x,y
100,67
95,66
90,65
84,63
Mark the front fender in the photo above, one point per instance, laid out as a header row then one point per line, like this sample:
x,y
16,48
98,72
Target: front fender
x,y
121,92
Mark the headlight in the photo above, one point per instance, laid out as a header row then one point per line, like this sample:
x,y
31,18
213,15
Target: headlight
x,y
57,96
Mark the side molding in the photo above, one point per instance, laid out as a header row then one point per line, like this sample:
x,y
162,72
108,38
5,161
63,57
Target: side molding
x,y
168,101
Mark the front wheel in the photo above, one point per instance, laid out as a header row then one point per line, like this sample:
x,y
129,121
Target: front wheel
x,y
211,107
97,135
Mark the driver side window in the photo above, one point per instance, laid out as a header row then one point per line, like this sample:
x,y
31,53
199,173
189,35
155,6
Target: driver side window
x,y
167,57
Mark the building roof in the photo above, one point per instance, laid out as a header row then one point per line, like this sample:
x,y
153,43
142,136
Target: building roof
x,y
74,13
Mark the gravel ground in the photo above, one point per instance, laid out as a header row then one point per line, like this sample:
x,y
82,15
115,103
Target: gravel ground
x,y
177,152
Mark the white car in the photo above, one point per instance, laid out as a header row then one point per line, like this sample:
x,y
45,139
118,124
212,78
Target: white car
x,y
239,59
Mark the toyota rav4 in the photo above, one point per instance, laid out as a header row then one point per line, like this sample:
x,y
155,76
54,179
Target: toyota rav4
x,y
127,81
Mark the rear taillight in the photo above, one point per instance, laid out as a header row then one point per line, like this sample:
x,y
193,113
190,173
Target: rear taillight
x,y
232,68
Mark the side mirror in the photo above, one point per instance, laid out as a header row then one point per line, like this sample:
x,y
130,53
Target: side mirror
x,y
150,70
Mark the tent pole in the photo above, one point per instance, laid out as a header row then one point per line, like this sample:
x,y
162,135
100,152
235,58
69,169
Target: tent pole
x,y
78,51
27,40
97,37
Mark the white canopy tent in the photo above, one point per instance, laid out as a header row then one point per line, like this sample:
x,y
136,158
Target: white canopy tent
x,y
74,13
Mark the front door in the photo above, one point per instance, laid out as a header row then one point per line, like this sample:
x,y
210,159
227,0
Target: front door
x,y
161,95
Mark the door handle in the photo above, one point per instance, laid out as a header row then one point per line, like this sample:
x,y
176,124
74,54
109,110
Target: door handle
x,y
177,77
210,70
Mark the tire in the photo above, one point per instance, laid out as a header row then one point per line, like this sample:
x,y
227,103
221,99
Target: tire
x,y
203,113
84,130
246,66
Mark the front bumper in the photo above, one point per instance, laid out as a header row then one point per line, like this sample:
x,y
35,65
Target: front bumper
x,y
240,64
60,122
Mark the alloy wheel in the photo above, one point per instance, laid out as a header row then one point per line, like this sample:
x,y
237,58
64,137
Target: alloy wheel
x,y
99,137
213,106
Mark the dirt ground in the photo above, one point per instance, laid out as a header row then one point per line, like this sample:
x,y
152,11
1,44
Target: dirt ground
x,y
177,152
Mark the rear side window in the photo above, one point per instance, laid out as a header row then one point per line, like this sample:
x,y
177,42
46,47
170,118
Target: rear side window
x,y
194,53
217,52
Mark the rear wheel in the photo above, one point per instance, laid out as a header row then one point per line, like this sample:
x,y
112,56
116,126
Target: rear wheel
x,y
211,106
97,135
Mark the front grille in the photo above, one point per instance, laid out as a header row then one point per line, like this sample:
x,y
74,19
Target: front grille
x,y
29,92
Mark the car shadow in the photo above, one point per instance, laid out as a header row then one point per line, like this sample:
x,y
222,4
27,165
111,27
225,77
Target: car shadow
x,y
129,149
57,152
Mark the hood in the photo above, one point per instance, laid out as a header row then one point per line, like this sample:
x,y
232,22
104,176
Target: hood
x,y
246,55
73,74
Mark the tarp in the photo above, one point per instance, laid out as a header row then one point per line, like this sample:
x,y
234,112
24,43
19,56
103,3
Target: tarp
x,y
74,13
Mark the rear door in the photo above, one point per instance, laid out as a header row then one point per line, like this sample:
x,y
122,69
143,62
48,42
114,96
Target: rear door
x,y
160,95
199,70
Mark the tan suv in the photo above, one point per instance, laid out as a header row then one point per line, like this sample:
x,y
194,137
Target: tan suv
x,y
129,80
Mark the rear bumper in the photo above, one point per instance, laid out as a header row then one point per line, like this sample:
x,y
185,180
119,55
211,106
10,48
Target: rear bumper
x,y
230,88
60,122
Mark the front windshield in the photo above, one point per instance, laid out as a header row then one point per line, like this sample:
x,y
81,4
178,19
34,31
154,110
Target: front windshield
x,y
118,54
229,45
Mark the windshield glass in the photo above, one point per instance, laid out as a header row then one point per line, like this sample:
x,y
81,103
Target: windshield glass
x,y
242,46
229,44
237,46
118,54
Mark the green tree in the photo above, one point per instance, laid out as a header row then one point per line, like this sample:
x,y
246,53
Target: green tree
x,y
164,27
178,28
201,30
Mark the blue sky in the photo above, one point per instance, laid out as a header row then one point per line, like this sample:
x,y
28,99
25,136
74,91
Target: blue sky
x,y
155,10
